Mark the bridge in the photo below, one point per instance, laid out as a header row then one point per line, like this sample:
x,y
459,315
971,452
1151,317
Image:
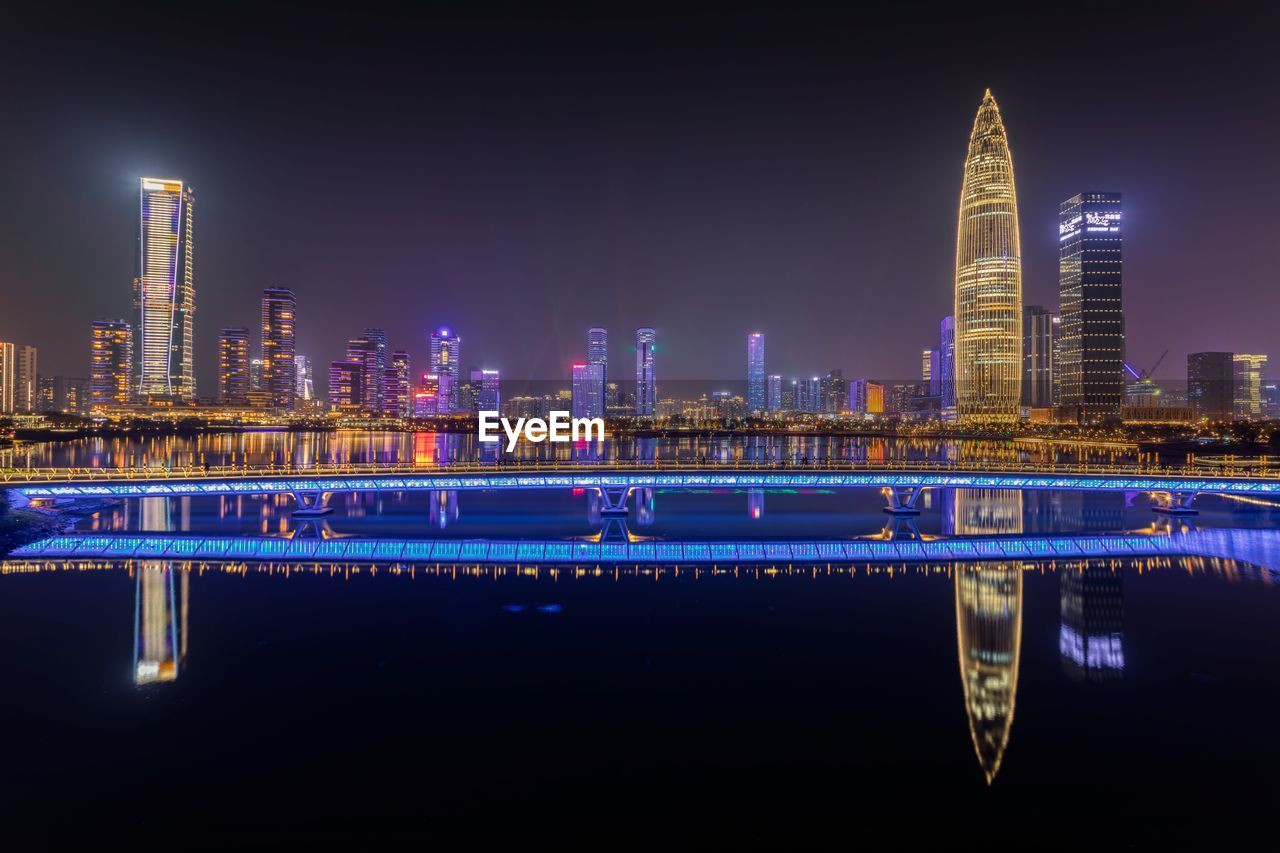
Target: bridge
x,y
1257,547
902,481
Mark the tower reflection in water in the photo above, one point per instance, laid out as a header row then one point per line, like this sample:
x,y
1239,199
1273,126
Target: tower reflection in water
x,y
160,608
1091,635
988,621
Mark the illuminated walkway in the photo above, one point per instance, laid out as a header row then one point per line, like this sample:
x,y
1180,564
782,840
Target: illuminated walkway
x,y
903,480
1257,547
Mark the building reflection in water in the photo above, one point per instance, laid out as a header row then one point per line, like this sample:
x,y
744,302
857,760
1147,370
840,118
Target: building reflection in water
x,y
646,513
161,596
1091,635
989,638
982,512
442,508
755,504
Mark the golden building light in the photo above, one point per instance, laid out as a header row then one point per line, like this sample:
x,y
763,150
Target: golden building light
x,y
164,291
989,642
988,285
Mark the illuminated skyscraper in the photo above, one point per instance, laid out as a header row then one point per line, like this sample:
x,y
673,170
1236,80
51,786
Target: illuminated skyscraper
x,y
233,366
773,396
988,291
756,396
1091,376
346,385
947,367
279,371
646,382
26,378
364,352
989,641
164,291
487,385
598,350
304,389
110,363
7,368
588,390
398,386
375,381
1037,357
445,358
1247,382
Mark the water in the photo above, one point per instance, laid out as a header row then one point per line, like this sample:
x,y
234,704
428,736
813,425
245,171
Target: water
x,y
974,703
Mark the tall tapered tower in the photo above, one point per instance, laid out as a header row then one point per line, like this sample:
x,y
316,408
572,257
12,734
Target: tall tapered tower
x,y
988,296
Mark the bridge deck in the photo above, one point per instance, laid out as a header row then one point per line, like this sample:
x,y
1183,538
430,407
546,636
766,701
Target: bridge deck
x,y
1257,547
144,482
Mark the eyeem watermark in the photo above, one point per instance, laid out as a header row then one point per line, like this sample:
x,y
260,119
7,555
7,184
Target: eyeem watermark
x,y
559,427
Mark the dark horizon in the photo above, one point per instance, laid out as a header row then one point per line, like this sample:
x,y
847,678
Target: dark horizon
x,y
524,177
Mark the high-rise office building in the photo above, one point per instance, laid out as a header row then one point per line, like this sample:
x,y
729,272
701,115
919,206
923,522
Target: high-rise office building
x,y
164,291
426,400
588,392
928,365
988,285
110,363
304,387
756,392
376,391
866,397
346,385
233,366
773,394
833,393
279,371
1211,384
1247,383
1055,387
445,357
7,369
1037,357
646,382
598,350
1091,376
398,386
947,366
488,384
66,395
364,352
26,378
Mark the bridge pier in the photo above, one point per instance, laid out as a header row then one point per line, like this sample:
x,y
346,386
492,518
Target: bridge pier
x,y
1175,503
310,505
901,500
613,500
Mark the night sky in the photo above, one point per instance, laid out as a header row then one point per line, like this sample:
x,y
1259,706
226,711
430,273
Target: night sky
x,y
521,175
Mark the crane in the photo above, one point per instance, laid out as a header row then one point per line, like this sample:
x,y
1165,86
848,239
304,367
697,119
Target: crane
x,y
1146,374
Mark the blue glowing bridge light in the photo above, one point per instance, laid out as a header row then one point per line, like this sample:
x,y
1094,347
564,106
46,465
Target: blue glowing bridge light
x,y
1257,547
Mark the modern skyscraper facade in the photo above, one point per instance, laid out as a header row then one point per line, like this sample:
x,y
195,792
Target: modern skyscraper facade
x,y
1091,376
1247,383
646,381
279,371
488,384
364,352
947,366
1037,357
398,385
67,395
26,378
375,384
164,291
346,385
866,397
588,390
988,284
304,389
1211,384
445,357
756,392
773,395
110,363
233,366
7,369
598,350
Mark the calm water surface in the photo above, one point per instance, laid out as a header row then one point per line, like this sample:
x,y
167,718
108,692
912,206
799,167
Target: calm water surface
x,y
1099,702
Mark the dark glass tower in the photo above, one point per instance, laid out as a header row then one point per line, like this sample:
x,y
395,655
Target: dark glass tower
x,y
1037,357
1091,374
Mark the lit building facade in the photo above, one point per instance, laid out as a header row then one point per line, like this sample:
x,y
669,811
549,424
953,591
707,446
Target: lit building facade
x,y
26,378
304,387
756,392
988,283
364,351
866,397
110,363
773,394
398,386
947,367
646,380
1247,384
233,366
7,368
164,291
279,347
1091,376
346,386
1037,357
1211,384
588,390
446,353
66,395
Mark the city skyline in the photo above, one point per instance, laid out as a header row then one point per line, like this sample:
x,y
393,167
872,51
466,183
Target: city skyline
x,y
752,239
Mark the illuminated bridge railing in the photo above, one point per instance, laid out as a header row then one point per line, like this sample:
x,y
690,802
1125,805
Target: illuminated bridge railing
x,y
1257,547
600,478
